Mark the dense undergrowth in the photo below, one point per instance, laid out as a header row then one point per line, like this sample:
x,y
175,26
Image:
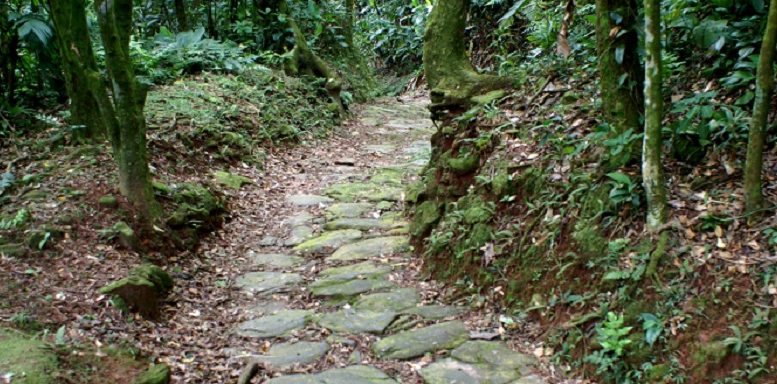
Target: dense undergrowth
x,y
526,204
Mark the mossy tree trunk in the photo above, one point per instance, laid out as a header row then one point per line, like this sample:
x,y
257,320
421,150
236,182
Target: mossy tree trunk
x,y
128,130
620,72
180,15
348,27
302,60
82,77
451,76
652,170
758,124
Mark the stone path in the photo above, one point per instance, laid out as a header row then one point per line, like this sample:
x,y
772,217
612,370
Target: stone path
x,y
334,302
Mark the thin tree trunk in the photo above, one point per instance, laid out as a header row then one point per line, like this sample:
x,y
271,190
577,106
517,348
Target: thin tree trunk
x,y
129,134
652,170
211,23
758,124
180,15
620,72
82,77
348,27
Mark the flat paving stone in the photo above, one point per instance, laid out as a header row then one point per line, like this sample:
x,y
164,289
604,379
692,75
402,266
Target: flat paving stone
x,y
417,342
273,260
355,271
277,324
285,355
352,192
355,374
494,354
329,241
298,235
363,224
396,300
381,148
434,312
301,218
357,321
342,288
267,282
348,210
308,200
371,248
266,307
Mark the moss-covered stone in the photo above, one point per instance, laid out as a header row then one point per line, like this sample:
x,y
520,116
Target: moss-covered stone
x,y
26,360
143,289
156,374
427,214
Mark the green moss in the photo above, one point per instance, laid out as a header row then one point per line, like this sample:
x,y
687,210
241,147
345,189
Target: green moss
x,y
28,360
109,201
426,216
13,250
196,207
708,356
231,180
157,374
589,239
502,184
142,289
479,235
477,214
464,164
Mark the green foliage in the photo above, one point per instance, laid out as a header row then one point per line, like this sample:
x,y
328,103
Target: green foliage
x,y
395,30
17,221
624,190
612,337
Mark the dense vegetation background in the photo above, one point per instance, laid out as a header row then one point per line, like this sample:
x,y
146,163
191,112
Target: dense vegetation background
x,y
603,169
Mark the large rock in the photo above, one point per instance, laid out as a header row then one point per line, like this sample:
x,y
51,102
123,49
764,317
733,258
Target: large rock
x,y
356,321
329,241
285,355
359,223
277,324
417,342
142,290
495,354
355,374
301,218
395,300
371,248
267,282
308,200
273,260
25,360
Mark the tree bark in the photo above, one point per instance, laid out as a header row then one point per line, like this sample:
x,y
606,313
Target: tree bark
x,y
128,133
82,78
451,76
652,170
302,59
348,27
619,68
758,124
180,15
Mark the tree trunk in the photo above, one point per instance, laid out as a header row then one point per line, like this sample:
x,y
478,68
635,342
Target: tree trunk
x,y
758,124
303,60
82,78
10,61
180,15
619,68
348,27
652,171
211,22
128,135
450,75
